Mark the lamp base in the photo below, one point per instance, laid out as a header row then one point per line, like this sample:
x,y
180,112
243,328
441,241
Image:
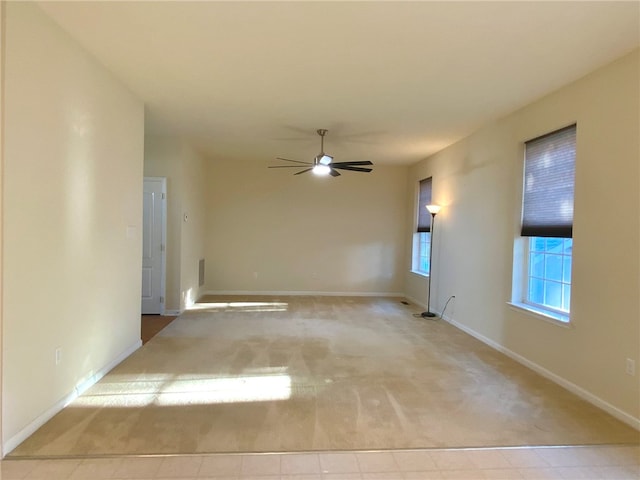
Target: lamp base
x,y
427,314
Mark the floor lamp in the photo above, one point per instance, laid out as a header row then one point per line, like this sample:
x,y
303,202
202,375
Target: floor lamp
x,y
433,210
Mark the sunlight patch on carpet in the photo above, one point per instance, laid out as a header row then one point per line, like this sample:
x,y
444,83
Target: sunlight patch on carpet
x,y
177,390
241,306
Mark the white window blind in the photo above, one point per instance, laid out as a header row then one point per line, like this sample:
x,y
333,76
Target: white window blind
x,y
549,172
424,199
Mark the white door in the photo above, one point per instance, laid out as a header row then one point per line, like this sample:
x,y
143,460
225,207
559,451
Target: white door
x,y
153,218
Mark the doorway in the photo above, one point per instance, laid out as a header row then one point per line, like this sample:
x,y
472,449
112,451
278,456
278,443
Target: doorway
x,y
154,219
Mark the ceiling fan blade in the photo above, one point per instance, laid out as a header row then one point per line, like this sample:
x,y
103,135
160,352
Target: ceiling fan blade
x,y
334,173
353,169
303,171
296,161
284,166
341,164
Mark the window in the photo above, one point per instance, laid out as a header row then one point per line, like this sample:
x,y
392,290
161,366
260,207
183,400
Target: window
x,y
421,248
547,223
549,273
422,236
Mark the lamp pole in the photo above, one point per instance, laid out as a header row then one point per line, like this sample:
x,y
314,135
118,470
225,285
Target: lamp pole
x,y
433,210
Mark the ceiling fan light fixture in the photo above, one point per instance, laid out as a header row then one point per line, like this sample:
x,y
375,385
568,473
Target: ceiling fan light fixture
x,y
321,169
324,159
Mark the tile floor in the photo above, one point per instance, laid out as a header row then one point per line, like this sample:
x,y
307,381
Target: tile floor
x,y
584,462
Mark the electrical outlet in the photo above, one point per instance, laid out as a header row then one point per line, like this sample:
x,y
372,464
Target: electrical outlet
x,y
630,367
58,355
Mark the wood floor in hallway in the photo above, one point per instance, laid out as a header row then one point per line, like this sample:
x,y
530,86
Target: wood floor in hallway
x,y
151,325
301,374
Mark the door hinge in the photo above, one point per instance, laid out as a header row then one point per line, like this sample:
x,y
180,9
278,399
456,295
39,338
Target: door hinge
x,y
164,195
161,299
162,247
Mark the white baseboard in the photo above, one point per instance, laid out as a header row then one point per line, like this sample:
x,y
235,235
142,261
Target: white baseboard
x,y
572,387
81,387
172,313
302,293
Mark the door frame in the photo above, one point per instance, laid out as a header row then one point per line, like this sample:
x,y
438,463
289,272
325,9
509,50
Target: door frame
x,y
163,240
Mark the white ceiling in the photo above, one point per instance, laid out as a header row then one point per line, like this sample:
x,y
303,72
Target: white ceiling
x,y
392,81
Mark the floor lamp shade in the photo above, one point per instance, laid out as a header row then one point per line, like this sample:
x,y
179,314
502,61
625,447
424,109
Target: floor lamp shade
x,y
433,209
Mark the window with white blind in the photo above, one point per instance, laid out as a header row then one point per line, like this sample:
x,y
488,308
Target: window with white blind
x,y
422,236
547,224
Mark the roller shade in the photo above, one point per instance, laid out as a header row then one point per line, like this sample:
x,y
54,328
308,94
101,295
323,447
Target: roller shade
x,y
424,199
549,173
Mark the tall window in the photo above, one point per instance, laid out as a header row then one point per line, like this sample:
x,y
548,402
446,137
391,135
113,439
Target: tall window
x,y
547,221
422,236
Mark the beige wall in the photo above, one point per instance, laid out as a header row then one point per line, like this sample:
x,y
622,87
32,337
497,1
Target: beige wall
x,y
193,227
183,168
73,152
271,231
479,182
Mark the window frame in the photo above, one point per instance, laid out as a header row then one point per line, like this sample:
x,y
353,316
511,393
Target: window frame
x,y
557,313
417,250
520,290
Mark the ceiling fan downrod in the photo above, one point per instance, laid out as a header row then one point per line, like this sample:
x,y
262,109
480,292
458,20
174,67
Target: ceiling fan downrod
x,y
322,158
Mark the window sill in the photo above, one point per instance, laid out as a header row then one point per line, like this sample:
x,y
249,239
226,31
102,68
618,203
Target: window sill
x,y
420,274
546,315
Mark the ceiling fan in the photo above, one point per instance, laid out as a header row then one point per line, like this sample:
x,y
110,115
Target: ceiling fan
x,y
323,164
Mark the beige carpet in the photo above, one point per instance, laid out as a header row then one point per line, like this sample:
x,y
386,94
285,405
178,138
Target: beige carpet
x,y
313,373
